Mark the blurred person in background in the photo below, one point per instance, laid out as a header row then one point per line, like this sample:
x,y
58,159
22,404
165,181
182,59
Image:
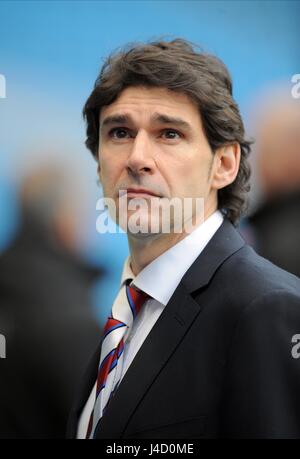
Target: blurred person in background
x,y
45,308
275,223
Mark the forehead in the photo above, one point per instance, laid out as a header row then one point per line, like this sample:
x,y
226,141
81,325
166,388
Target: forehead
x,y
143,100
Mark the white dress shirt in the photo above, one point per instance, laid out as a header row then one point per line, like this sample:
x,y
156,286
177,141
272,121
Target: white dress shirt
x,y
170,267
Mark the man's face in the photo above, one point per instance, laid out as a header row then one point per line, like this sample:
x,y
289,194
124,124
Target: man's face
x,y
153,139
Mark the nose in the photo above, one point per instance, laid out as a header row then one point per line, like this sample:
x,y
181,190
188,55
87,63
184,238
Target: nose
x,y
140,160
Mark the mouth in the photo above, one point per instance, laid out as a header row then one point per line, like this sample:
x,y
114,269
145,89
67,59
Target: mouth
x,y
139,193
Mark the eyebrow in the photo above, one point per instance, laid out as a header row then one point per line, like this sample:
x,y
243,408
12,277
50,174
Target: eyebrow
x,y
157,118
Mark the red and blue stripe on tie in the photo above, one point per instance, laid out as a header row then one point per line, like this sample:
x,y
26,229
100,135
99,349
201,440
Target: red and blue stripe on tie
x,y
136,299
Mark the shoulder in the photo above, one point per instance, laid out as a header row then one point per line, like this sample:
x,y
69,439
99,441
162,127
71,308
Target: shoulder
x,y
275,313
266,300
252,280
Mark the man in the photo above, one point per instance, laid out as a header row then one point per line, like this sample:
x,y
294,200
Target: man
x,y
209,348
275,222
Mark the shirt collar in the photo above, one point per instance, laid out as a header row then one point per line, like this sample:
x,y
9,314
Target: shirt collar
x,y
171,265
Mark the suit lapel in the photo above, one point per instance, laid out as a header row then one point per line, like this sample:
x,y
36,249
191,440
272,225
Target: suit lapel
x,y
223,244
85,389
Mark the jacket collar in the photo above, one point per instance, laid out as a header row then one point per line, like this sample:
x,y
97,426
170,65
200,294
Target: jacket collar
x,y
223,244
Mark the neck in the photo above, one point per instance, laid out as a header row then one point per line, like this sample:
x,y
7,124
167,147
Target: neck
x,y
145,249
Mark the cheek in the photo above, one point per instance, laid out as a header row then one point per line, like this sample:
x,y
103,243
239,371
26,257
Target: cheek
x,y
110,170
106,163
196,175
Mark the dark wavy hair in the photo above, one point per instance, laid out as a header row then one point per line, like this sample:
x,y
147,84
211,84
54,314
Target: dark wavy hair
x,y
177,66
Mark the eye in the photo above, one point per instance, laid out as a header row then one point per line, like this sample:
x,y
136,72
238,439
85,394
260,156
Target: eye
x,y
118,133
172,134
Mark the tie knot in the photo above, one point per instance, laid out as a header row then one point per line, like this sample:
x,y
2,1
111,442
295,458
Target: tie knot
x,y
136,298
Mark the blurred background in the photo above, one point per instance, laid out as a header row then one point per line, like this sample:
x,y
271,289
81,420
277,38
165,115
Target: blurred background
x,y
50,55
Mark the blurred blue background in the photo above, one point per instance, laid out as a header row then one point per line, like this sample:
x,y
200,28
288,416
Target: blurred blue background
x,y
50,54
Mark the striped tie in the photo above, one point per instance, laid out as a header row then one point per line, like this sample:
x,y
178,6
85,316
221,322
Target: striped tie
x,y
125,309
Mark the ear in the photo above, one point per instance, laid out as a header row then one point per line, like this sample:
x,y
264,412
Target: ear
x,y
226,165
98,169
99,174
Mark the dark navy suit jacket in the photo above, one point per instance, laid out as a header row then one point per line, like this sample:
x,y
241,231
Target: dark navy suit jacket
x,y
219,360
